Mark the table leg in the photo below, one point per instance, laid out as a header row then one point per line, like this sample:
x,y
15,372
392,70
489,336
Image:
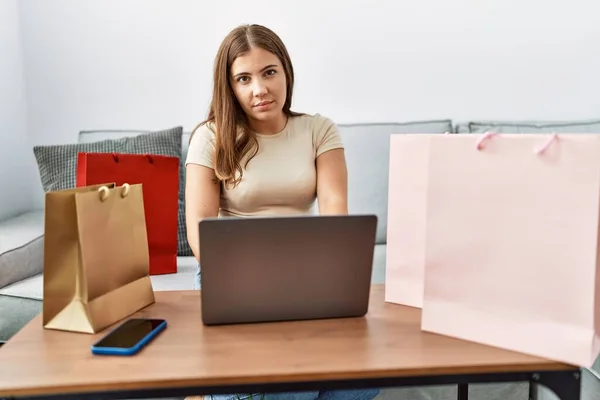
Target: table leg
x,y
463,391
565,384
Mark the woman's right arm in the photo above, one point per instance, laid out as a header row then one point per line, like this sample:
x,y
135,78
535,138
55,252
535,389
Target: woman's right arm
x,y
201,201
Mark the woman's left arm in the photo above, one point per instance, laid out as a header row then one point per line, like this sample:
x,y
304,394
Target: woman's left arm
x,y
332,182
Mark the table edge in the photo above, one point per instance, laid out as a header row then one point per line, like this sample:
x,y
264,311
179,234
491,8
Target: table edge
x,y
137,385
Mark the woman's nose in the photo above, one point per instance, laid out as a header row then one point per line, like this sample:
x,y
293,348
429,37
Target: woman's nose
x,y
259,88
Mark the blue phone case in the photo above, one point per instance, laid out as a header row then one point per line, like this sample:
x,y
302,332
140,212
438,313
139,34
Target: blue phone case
x,y
119,351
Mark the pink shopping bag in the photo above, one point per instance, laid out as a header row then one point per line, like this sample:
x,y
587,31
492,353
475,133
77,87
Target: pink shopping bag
x,y
407,210
512,237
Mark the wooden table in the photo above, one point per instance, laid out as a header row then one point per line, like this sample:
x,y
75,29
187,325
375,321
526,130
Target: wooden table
x,y
386,348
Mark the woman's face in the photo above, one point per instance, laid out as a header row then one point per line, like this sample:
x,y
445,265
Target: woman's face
x,y
259,83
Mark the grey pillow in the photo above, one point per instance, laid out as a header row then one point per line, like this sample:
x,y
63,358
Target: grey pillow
x,y
58,165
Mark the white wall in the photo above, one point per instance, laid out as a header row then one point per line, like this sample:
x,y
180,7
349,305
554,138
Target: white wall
x,y
16,157
148,64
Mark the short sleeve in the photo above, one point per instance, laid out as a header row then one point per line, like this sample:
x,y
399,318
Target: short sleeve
x,y
201,150
326,135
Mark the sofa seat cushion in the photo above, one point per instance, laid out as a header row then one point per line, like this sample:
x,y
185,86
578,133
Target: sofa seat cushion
x,y
33,288
15,313
21,247
379,257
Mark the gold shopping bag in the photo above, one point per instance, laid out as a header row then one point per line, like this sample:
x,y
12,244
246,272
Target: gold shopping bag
x,y
96,259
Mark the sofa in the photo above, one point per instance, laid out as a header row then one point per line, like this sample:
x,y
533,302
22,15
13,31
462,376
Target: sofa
x,y
367,153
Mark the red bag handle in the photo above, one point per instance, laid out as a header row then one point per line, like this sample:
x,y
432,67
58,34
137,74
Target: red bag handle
x,y
148,156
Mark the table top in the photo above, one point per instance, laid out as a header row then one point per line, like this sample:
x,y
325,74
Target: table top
x,y
387,343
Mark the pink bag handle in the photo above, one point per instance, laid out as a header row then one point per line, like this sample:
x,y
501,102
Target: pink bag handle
x,y
483,138
540,150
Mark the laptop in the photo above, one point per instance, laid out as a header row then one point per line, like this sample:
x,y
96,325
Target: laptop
x,y
268,269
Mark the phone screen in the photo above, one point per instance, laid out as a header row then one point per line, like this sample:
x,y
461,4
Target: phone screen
x,y
129,333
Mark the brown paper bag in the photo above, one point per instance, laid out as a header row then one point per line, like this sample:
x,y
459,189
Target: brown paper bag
x,y
96,261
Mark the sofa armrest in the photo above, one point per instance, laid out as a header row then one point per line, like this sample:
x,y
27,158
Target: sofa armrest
x,y
21,247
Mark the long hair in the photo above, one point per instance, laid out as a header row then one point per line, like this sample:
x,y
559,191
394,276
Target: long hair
x,y
234,139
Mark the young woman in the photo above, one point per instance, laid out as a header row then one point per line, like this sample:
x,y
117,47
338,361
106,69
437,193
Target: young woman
x,y
255,156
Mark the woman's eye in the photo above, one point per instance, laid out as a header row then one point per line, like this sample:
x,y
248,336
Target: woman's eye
x,y
242,79
271,72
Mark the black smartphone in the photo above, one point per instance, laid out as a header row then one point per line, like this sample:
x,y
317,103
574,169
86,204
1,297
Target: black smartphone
x,y
130,337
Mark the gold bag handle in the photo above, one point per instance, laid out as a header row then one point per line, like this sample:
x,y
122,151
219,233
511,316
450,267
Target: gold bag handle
x,y
104,191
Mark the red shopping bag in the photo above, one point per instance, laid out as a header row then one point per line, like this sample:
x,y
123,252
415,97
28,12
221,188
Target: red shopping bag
x,y
159,176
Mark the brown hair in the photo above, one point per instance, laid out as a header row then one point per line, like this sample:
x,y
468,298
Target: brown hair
x,y
234,138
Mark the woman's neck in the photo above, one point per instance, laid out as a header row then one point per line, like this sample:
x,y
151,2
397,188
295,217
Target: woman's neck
x,y
270,127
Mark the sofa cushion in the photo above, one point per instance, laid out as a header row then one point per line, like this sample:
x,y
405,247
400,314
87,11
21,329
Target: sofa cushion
x,y
58,163
461,127
367,155
21,247
581,126
16,312
33,288
379,257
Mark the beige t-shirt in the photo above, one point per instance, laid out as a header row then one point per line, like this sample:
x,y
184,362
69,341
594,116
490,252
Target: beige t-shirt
x,y
281,179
